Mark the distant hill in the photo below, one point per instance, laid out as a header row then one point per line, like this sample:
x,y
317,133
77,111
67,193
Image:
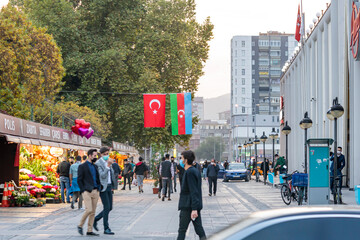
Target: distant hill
x,y
213,106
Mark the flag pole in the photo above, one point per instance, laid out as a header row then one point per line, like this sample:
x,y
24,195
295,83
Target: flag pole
x,y
303,24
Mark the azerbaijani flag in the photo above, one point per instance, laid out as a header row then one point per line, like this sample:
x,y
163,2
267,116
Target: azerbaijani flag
x,y
181,113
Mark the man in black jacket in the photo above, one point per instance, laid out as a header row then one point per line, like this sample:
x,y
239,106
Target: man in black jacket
x,y
63,170
190,202
167,173
127,173
89,184
212,173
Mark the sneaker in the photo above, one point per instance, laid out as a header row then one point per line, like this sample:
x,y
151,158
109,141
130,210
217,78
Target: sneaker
x,y
72,206
209,194
163,198
142,191
92,234
123,189
169,199
108,232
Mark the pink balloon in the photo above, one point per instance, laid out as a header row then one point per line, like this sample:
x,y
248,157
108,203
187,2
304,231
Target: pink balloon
x,y
90,133
83,131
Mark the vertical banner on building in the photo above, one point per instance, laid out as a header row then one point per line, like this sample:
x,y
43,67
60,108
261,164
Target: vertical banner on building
x,y
298,26
181,113
154,110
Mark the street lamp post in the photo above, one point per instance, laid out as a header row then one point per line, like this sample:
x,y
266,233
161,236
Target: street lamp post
x,y
245,146
263,139
286,130
239,147
306,123
256,142
250,143
273,135
335,112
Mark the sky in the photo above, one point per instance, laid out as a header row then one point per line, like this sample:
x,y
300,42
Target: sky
x,y
242,17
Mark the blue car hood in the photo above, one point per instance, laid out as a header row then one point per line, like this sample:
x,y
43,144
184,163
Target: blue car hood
x,y
236,171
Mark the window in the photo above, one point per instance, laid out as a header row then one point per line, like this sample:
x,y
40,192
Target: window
x,y
235,72
242,71
253,90
278,119
253,43
243,109
253,81
286,53
235,81
277,130
277,141
235,43
235,91
235,100
253,118
243,100
242,62
264,62
243,53
243,43
253,130
273,118
243,81
235,62
253,62
243,90
253,53
275,53
286,44
253,72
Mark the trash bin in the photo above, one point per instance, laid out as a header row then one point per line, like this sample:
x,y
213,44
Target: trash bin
x,y
357,194
281,178
271,178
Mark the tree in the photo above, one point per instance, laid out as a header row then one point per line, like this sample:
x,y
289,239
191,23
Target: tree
x,y
30,63
210,146
125,48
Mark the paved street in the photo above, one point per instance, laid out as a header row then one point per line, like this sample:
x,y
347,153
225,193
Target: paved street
x,y
142,216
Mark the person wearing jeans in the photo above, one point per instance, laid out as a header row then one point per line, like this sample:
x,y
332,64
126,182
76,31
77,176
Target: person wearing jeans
x,y
63,170
190,201
212,172
167,173
107,180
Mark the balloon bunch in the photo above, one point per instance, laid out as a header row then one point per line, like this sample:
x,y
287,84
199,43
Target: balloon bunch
x,y
82,128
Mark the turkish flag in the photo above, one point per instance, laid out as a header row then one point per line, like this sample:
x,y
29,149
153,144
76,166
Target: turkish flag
x,y
298,26
154,110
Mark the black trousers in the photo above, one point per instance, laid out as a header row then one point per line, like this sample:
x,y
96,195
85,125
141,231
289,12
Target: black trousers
x,y
127,176
107,201
166,183
212,180
185,218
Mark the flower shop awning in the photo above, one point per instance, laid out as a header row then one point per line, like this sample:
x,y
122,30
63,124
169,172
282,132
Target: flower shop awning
x,y
23,131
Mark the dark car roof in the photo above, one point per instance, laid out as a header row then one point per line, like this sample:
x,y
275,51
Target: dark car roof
x,y
263,218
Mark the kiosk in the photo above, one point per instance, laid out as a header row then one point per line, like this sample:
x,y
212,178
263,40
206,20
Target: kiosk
x,y
319,155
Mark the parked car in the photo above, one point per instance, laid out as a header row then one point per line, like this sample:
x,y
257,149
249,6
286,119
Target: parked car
x,y
310,223
221,171
237,171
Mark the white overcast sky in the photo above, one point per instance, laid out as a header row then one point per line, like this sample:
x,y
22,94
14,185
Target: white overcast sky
x,y
242,17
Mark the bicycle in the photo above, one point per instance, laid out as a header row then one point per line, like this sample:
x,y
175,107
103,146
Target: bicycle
x,y
336,191
288,193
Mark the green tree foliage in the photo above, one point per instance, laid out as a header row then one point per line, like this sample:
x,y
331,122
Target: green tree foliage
x,y
207,148
128,46
30,63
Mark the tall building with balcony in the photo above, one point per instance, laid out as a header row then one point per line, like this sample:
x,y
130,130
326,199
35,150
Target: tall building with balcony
x,y
256,63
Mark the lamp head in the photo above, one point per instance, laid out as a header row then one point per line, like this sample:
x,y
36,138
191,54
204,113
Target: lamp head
x,y
336,110
306,122
286,129
263,138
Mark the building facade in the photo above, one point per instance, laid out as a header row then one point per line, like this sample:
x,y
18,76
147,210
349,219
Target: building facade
x,y
322,69
256,63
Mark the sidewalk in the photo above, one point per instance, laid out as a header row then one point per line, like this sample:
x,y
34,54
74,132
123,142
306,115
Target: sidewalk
x,y
348,196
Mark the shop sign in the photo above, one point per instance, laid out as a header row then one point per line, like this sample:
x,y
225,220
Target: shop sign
x,y
123,147
56,152
355,28
23,128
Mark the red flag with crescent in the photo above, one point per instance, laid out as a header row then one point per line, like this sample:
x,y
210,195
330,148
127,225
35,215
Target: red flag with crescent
x,y
298,26
154,110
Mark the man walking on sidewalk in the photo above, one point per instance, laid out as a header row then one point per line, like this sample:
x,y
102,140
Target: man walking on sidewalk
x,y
89,184
265,168
140,173
63,170
126,173
190,202
107,180
167,174
212,172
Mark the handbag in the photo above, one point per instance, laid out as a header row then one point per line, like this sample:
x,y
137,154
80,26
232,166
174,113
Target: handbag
x,y
135,182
